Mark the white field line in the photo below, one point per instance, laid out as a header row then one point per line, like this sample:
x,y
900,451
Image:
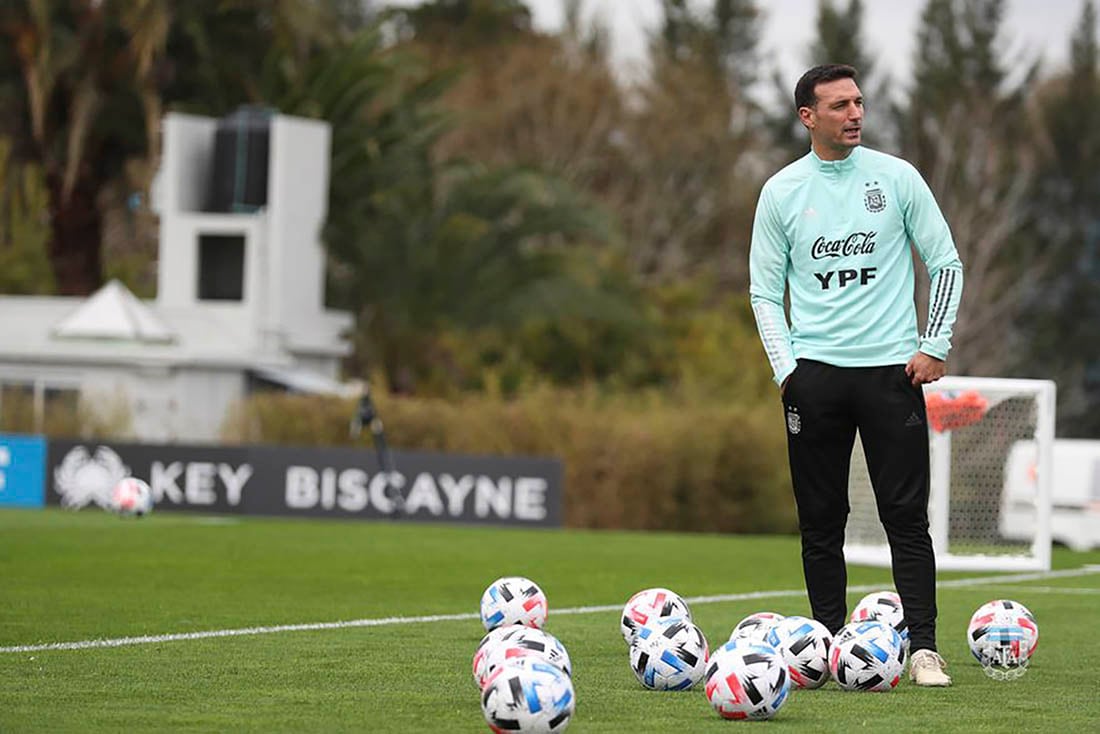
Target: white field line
x,y
1045,589
387,621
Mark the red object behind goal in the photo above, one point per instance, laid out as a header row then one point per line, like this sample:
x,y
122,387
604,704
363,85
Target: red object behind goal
x,y
948,411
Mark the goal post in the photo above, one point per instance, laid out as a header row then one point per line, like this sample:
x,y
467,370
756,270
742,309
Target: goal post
x,y
981,431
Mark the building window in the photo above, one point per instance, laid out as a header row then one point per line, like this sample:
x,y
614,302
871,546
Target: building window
x,y
221,267
39,408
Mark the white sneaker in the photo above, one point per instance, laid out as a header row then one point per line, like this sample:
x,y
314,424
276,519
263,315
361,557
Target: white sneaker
x,y
926,669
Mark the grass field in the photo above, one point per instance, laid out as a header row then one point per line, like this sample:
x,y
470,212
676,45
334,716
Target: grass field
x,y
69,577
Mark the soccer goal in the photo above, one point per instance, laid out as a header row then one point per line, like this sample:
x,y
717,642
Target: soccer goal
x,y
981,431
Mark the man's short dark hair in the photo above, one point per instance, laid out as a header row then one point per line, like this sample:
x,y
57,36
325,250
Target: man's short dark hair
x,y
804,91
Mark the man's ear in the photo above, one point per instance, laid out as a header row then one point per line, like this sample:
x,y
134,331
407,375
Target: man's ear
x,y
806,115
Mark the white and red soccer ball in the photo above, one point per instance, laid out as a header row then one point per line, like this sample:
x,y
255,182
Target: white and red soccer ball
x,y
804,645
867,656
649,605
1003,634
131,497
513,600
746,680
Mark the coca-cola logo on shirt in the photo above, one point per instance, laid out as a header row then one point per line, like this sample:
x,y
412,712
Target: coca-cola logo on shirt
x,y
857,243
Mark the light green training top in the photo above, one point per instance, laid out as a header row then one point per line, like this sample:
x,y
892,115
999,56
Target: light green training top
x,y
837,233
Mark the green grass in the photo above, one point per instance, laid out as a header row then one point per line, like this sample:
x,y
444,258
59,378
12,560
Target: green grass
x,y
76,576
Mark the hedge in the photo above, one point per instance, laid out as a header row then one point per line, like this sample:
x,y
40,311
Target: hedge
x,y
631,462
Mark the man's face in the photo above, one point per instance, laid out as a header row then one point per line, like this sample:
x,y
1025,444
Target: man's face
x,y
836,119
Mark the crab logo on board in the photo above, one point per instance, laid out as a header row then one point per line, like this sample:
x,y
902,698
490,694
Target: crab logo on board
x,y
83,477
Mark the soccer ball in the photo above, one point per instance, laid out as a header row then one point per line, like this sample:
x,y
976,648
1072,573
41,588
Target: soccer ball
x,y
648,605
513,600
669,654
755,627
803,644
886,606
867,656
132,497
518,642
746,680
528,695
1003,636
492,639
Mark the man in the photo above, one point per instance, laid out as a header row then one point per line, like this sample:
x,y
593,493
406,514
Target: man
x,y
835,227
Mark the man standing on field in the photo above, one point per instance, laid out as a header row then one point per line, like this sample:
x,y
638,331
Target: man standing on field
x,y
835,227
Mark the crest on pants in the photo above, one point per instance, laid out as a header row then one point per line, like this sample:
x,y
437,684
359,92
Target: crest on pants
x,y
794,421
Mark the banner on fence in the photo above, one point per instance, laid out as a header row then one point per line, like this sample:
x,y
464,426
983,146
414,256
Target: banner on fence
x,y
312,482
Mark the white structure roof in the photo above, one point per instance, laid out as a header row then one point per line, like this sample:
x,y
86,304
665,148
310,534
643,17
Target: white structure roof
x,y
113,312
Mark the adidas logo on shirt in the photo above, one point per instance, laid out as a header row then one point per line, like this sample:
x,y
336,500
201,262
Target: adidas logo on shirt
x,y
913,420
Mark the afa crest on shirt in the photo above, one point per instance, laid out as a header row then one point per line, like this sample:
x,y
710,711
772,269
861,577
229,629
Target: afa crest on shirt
x,y
874,199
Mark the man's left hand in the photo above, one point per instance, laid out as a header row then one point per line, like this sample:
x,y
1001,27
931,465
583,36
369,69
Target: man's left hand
x,y
923,369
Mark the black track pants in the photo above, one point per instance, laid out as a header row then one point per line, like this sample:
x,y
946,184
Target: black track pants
x,y
824,406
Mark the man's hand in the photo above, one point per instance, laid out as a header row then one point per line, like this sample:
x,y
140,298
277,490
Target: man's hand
x,y
923,369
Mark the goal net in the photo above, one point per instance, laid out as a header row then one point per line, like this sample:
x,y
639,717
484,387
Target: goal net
x,y
982,432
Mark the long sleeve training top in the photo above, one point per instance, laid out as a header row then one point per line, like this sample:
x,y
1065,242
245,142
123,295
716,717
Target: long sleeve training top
x,y
837,234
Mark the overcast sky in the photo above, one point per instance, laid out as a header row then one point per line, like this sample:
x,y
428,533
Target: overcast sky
x,y
1032,27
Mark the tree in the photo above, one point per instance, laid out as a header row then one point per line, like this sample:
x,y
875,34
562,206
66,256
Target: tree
x,y
72,66
463,24
839,40
1062,312
425,245
840,37
726,40
971,136
86,82
24,231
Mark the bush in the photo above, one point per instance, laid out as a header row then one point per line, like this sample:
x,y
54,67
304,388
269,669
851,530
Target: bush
x,y
636,462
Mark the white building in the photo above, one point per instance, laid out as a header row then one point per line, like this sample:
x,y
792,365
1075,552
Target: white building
x,y
239,306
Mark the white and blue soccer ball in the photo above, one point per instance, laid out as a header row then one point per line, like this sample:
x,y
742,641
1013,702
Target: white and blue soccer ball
x,y
885,606
649,605
513,600
867,656
131,497
1002,636
755,627
669,654
528,695
804,644
504,645
747,680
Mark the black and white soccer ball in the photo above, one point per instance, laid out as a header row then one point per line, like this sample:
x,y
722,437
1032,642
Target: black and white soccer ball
x,y
885,606
867,656
507,644
513,600
804,645
669,654
747,680
528,695
755,627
